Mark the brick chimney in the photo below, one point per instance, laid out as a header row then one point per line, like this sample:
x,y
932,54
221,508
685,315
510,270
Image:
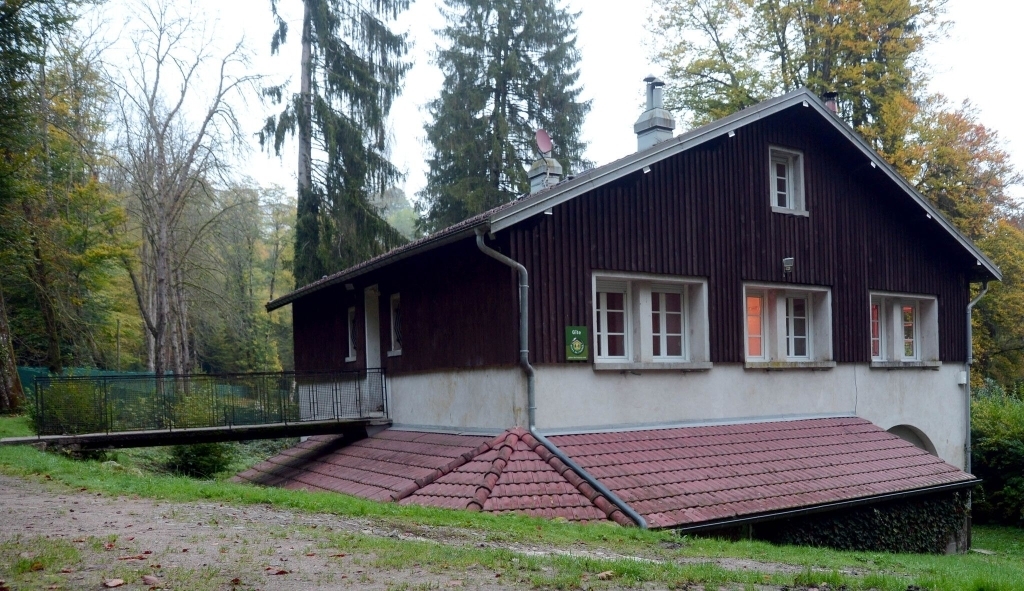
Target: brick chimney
x,y
656,124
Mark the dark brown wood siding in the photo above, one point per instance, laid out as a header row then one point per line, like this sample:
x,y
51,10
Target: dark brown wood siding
x,y
320,331
706,213
459,310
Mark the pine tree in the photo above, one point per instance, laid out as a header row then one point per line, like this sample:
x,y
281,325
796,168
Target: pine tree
x,y
351,71
510,68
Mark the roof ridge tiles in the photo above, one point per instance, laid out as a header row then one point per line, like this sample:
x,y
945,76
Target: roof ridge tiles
x,y
565,471
504,445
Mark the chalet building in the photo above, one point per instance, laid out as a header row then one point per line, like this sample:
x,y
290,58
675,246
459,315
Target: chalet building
x,y
756,317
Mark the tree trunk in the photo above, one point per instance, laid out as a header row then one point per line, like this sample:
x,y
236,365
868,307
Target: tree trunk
x,y
11,393
307,225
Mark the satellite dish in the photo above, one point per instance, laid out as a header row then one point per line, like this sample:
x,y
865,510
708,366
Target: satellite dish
x,y
544,142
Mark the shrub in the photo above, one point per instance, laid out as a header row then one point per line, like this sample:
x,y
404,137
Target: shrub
x,y
71,408
997,439
200,460
922,524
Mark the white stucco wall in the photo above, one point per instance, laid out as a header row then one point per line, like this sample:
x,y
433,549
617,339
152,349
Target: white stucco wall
x,y
573,398
577,398
468,400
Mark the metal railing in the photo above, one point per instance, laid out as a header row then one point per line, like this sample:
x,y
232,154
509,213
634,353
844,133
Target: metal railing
x,y
109,404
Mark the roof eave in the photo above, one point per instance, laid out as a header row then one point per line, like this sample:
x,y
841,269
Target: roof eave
x,y
384,261
821,507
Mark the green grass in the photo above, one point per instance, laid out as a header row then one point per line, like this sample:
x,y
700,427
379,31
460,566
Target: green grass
x,y
674,561
15,426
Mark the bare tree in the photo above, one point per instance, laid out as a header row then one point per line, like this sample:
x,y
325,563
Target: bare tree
x,y
173,129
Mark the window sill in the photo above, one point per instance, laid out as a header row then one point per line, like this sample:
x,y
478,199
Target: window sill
x,y
350,359
652,366
906,364
788,211
394,353
773,365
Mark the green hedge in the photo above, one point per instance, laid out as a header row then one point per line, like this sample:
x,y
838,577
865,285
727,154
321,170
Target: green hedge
x,y
919,524
200,460
997,438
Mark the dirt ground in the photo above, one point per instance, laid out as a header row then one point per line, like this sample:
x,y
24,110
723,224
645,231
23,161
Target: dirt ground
x,y
213,546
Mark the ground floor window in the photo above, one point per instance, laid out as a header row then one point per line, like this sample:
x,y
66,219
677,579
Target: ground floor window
x,y
904,328
643,318
787,323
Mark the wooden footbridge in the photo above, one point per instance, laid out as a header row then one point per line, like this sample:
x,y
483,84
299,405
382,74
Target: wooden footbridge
x,y
142,410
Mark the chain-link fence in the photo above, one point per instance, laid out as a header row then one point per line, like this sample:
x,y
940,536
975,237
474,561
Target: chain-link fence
x,y
107,404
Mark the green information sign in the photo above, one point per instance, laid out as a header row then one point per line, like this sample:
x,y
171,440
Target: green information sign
x,y
577,347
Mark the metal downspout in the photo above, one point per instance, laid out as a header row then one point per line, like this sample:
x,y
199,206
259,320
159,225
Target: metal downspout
x,y
531,397
967,372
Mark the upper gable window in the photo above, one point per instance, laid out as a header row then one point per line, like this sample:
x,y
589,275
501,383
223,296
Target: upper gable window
x,y
644,321
787,181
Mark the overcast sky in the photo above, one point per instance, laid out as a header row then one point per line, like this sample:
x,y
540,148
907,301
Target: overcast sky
x,y
976,61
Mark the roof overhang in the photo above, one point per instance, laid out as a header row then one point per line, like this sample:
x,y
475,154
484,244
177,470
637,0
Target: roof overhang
x,y
509,215
398,254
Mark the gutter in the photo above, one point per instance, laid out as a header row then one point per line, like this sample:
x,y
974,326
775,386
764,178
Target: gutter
x,y
776,515
967,383
531,393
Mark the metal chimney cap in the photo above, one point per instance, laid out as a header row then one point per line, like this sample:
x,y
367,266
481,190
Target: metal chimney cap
x,y
650,78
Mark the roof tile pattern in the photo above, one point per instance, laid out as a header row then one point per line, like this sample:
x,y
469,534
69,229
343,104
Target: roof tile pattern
x,y
672,477
690,475
518,474
387,466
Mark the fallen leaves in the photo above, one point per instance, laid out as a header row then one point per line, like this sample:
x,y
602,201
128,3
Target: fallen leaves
x,y
276,571
604,576
150,580
135,557
110,583
36,566
339,555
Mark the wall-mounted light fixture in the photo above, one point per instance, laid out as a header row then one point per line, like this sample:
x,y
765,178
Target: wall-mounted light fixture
x,y
647,169
787,265
732,133
548,212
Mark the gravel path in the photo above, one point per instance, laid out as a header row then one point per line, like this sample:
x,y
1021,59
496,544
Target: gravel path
x,y
214,546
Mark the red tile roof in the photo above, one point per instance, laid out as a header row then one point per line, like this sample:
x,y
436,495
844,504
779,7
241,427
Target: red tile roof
x,y
672,477
684,476
518,474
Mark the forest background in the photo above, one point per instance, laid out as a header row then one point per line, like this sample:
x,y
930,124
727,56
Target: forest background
x,y
132,239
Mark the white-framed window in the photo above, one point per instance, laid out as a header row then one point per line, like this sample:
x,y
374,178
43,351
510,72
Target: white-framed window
x,y
787,325
351,327
756,318
668,323
786,180
904,329
911,338
649,321
798,334
878,350
396,325
612,320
